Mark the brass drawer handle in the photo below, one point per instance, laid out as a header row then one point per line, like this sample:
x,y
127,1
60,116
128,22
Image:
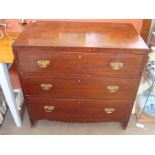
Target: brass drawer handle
x,y
43,63
49,108
112,89
116,65
109,110
46,86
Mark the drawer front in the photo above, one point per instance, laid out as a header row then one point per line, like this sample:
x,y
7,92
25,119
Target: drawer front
x,y
111,65
92,64
86,88
55,63
78,110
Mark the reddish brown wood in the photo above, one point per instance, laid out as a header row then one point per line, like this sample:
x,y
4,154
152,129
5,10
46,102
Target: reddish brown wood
x,y
80,63
81,34
73,110
80,71
93,88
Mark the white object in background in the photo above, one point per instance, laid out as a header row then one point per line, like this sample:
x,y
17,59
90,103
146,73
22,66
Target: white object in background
x,y
3,107
17,90
134,108
22,20
1,118
143,87
140,126
20,100
152,55
153,48
9,94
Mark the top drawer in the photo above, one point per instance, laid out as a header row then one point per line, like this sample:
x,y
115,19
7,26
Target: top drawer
x,y
80,63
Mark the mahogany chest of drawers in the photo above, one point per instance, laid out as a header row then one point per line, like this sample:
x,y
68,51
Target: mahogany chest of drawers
x,y
80,72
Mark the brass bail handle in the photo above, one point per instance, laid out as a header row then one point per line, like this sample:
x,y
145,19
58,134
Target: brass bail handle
x,y
43,63
116,65
109,110
46,86
113,88
49,108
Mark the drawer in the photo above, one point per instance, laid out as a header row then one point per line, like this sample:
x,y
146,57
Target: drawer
x,y
78,110
55,63
86,88
80,63
111,65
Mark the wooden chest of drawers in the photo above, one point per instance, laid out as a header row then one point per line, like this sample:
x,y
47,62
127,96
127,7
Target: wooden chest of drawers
x,y
80,72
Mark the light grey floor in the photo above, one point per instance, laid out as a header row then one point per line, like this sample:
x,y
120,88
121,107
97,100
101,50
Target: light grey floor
x,y
58,128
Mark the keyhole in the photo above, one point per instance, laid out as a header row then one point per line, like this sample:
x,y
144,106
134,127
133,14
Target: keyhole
x,y
80,56
79,81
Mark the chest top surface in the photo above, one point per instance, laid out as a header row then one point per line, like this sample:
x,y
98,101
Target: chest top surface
x,y
81,34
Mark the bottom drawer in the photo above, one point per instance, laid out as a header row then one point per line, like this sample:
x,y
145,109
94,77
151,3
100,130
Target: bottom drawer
x,y
73,110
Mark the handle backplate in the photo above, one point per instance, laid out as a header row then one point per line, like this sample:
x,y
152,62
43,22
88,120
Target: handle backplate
x,y
49,108
46,86
116,65
113,88
43,63
109,110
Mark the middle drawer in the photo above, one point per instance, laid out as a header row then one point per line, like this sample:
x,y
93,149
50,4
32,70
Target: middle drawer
x,y
86,88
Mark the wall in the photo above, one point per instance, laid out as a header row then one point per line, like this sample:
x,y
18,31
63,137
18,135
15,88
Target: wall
x,y
14,26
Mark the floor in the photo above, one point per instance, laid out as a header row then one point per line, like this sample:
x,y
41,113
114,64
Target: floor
x,y
58,128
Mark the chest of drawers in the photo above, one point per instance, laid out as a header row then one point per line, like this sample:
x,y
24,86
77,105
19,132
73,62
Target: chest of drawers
x,y
80,72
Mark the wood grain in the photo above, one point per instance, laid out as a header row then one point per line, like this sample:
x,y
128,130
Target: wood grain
x,y
94,88
81,34
80,63
78,110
